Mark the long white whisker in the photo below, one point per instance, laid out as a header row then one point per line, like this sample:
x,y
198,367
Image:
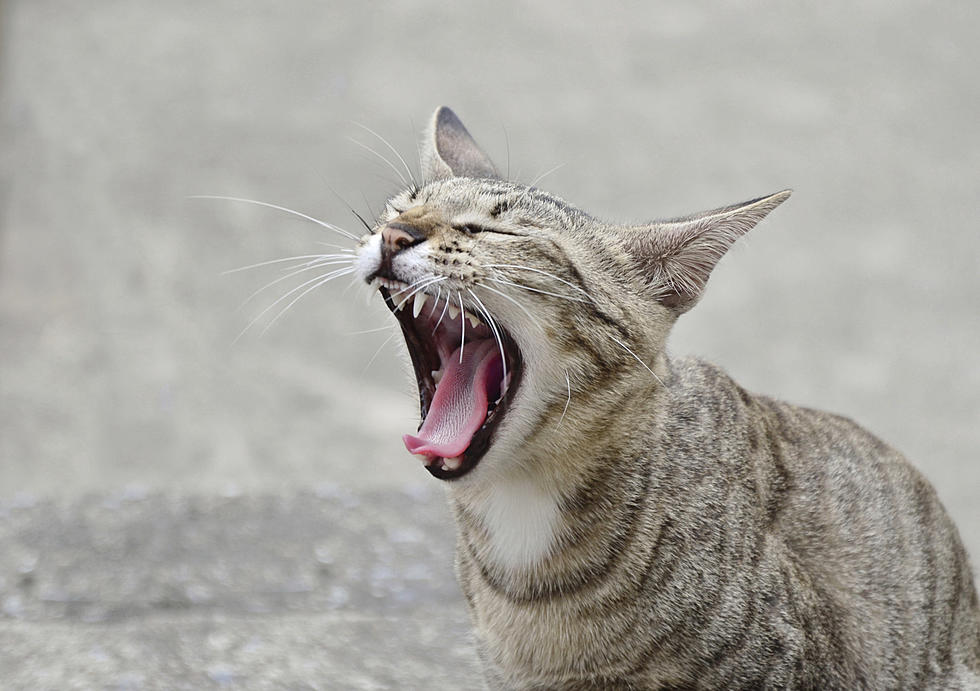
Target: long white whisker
x,y
533,319
392,149
338,258
545,174
637,358
332,275
297,288
432,307
390,164
568,383
421,284
462,320
535,290
348,250
323,224
272,261
378,351
386,327
306,268
493,327
543,273
444,308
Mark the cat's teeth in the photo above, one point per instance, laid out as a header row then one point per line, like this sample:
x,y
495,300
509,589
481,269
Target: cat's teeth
x,y
420,299
437,376
453,311
473,320
452,463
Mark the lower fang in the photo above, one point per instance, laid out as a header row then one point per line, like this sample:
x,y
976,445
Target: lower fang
x,y
452,463
426,460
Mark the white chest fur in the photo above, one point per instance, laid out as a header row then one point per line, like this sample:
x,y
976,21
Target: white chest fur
x,y
521,520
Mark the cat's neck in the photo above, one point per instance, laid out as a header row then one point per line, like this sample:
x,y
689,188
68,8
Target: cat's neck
x,y
537,523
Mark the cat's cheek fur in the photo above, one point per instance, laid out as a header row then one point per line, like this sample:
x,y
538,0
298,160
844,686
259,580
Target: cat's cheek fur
x,y
368,257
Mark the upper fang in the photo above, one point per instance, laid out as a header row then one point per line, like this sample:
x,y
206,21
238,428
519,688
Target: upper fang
x,y
420,299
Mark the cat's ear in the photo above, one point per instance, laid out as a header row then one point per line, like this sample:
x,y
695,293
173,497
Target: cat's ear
x,y
449,151
679,255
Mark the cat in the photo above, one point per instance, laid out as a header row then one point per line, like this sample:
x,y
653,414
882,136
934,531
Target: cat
x,y
626,520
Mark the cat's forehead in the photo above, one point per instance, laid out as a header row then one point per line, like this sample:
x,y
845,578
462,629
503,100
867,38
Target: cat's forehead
x,y
487,198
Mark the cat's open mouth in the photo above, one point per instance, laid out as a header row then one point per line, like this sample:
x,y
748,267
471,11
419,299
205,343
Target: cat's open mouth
x,y
467,372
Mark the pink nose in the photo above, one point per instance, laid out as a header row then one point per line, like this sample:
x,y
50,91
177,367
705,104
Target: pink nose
x,y
396,238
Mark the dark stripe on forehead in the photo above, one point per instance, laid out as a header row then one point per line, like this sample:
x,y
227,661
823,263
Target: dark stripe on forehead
x,y
499,208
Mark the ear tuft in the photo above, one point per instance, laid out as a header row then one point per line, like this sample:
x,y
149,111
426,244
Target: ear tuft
x,y
448,150
679,255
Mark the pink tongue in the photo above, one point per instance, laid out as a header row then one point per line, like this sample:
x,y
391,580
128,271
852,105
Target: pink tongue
x,y
459,406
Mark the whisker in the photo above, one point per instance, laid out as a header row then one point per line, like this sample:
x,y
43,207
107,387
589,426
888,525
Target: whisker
x,y
349,206
336,247
271,261
386,327
462,320
390,164
330,274
533,319
444,308
309,267
535,290
338,258
394,332
324,224
545,174
432,307
329,277
493,327
544,273
637,358
568,383
392,149
421,284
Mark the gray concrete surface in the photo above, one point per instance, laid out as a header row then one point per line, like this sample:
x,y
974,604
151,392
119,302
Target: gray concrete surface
x,y
157,523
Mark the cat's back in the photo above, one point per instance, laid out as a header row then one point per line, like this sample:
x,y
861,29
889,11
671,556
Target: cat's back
x,y
872,556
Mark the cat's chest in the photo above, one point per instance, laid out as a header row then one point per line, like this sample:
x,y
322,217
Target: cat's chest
x,y
518,524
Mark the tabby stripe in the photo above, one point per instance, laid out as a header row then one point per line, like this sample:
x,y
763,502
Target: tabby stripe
x,y
665,573
500,208
566,263
779,485
732,647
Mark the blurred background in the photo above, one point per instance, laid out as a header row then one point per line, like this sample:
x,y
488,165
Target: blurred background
x,y
181,509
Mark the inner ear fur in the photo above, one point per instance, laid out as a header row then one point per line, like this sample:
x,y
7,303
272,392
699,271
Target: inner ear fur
x,y
448,150
678,255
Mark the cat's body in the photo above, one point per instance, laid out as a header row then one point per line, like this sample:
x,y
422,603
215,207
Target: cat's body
x,y
629,521
729,553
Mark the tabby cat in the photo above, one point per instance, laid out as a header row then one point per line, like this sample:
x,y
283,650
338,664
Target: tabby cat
x,y
626,520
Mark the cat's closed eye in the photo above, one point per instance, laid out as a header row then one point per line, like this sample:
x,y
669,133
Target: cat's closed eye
x,y
473,228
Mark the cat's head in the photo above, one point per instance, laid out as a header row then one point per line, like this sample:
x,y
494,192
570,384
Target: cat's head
x,y
520,312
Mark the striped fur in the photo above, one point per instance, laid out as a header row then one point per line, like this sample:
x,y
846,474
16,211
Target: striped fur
x,y
641,522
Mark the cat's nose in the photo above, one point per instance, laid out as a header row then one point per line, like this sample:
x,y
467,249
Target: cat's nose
x,y
398,236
